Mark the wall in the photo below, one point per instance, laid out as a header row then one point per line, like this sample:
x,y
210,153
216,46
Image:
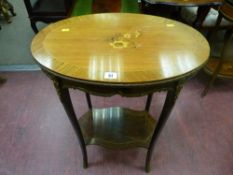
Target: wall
x,y
15,38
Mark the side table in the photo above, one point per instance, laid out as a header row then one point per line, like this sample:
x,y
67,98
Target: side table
x,y
119,53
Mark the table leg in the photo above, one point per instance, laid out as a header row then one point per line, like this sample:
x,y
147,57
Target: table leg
x,y
211,33
168,105
143,6
202,12
221,61
65,99
88,100
148,102
34,28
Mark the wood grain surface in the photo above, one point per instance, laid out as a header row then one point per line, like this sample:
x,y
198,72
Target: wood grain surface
x,y
135,48
117,128
227,10
226,70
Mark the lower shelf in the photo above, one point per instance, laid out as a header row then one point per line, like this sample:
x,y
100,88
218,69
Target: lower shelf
x,y
117,128
226,70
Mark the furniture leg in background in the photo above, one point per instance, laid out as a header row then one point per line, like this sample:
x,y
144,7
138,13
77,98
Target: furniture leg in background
x,y
2,80
48,11
6,6
223,68
219,66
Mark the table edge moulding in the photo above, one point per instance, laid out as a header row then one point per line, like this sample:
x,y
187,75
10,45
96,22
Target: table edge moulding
x,y
142,53
185,2
204,7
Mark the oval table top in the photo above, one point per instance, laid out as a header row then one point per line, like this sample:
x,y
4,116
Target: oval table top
x,y
185,2
120,48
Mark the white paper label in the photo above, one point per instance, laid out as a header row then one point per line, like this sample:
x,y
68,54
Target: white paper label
x,y
110,75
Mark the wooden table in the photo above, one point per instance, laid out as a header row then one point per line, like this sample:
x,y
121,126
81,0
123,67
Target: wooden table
x,y
203,6
185,2
126,54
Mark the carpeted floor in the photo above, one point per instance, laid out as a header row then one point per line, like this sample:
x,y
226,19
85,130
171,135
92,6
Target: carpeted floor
x,y
37,138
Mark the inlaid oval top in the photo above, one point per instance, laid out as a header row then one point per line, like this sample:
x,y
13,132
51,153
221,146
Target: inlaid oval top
x,y
120,48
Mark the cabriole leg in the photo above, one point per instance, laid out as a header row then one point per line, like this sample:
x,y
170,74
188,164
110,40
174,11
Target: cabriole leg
x,y
65,99
168,105
34,28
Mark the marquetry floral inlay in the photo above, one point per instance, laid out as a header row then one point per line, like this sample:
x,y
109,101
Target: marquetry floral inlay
x,y
126,40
